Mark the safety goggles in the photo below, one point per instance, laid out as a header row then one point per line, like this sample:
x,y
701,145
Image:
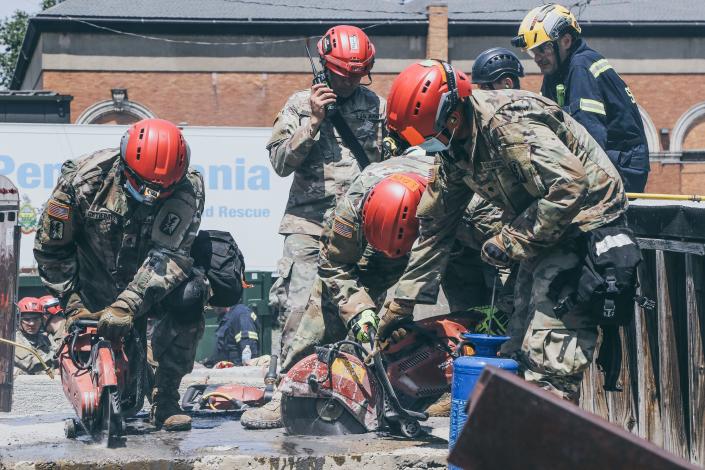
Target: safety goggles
x,y
541,49
143,191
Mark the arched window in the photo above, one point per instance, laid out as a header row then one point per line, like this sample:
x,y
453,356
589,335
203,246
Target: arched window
x,y
119,110
652,137
689,131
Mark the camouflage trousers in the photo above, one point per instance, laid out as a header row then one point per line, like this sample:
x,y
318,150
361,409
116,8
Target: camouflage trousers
x,y
296,272
174,344
553,352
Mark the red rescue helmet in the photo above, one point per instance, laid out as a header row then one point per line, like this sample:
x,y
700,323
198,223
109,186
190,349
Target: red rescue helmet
x,y
155,157
30,305
50,305
389,213
422,98
346,51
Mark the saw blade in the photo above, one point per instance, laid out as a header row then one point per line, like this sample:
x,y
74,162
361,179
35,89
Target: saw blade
x,y
318,417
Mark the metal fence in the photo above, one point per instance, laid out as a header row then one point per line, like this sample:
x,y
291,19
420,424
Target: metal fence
x,y
663,374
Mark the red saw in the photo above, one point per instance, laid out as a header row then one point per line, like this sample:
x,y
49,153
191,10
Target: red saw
x,y
335,392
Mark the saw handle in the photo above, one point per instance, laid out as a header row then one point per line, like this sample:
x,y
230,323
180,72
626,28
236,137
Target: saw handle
x,y
86,323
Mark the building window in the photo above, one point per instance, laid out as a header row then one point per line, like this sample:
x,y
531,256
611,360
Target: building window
x,y
653,140
689,131
118,110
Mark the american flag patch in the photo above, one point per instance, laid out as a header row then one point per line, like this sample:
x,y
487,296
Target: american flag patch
x,y
343,228
58,210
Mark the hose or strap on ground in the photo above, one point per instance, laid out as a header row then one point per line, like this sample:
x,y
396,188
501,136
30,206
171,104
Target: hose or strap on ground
x,y
47,369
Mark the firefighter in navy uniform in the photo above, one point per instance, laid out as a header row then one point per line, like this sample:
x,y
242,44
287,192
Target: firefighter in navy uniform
x,y
587,87
238,329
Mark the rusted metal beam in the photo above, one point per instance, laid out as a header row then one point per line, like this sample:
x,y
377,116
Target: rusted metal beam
x,y
515,425
9,254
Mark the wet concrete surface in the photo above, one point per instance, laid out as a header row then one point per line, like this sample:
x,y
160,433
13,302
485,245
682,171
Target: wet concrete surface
x,y
32,436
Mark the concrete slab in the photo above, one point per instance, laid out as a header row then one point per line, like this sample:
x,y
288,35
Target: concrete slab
x,y
32,436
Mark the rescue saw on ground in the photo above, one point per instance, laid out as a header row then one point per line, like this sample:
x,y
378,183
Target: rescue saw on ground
x,y
333,392
102,386
232,398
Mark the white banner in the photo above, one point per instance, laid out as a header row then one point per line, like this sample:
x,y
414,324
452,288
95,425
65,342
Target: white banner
x,y
243,195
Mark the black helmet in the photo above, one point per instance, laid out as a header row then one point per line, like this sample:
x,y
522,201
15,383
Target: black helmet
x,y
493,63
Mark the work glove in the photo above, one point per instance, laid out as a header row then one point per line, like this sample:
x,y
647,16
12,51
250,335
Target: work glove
x,y
76,311
398,313
361,323
495,253
115,321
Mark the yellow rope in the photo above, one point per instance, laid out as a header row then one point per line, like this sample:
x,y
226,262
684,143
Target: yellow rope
x,y
215,394
667,197
47,369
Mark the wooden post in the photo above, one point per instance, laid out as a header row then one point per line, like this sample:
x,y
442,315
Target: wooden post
x,y
645,322
674,438
9,254
696,356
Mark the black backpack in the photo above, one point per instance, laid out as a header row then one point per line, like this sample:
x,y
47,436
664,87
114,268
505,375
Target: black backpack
x,y
218,255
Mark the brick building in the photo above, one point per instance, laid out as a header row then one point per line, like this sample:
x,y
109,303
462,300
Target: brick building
x,y
234,62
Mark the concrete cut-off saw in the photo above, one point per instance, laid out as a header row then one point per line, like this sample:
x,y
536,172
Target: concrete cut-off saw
x,y
103,388
332,392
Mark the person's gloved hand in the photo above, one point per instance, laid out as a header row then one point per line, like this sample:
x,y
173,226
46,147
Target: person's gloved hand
x,y
76,311
115,321
495,253
361,323
398,312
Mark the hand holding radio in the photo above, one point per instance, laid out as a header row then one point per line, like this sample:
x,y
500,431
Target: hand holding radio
x,y
321,97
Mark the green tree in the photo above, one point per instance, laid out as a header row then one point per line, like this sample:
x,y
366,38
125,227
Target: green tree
x,y
12,31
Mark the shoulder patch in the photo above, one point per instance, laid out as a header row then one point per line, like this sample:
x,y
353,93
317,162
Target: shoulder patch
x,y
516,170
56,230
343,227
170,223
58,210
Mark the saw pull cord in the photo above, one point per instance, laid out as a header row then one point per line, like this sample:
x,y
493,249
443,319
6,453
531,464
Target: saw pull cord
x,y
34,352
667,197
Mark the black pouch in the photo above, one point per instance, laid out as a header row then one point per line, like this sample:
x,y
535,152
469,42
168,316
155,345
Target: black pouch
x,y
607,283
608,280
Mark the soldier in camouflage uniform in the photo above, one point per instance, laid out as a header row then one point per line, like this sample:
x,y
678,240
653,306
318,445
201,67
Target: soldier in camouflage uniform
x,y
553,181
54,321
30,335
114,240
306,142
354,272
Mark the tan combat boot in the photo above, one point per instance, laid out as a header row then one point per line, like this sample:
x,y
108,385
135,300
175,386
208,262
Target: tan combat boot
x,y
268,416
166,413
440,409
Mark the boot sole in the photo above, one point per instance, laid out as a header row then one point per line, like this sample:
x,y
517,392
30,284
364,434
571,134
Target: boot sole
x,y
262,425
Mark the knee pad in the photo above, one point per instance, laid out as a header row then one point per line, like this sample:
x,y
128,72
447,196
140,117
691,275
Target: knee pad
x,y
186,302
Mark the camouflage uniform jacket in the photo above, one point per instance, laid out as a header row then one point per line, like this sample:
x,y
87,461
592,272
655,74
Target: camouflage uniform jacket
x,y
25,361
95,240
322,164
532,160
348,265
